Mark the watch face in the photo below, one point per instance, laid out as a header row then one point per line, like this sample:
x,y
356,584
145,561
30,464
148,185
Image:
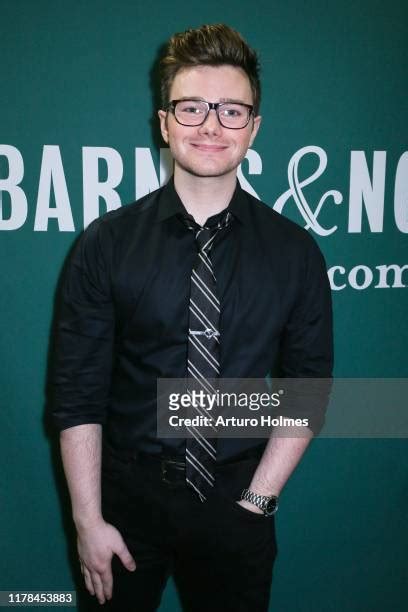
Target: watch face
x,y
271,506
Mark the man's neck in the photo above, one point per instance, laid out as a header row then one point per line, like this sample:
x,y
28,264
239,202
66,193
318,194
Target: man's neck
x,y
204,197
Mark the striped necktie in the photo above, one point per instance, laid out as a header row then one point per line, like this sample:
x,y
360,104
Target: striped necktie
x,y
203,353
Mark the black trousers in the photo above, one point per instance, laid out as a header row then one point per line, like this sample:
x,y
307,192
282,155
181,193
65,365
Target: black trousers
x,y
219,554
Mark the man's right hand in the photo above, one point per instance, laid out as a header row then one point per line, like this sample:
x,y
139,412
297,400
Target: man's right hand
x,y
96,546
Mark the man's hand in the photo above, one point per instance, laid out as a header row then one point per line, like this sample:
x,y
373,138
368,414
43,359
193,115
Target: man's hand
x,y
98,541
96,546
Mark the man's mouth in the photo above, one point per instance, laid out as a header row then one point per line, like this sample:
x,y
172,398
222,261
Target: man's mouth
x,y
208,148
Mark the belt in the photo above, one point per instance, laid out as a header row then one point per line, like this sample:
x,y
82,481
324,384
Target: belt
x,y
173,468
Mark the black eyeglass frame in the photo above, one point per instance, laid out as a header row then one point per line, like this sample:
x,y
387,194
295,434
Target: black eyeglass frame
x,y
210,106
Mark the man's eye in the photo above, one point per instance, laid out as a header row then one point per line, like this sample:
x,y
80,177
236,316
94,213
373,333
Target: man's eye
x,y
231,112
194,110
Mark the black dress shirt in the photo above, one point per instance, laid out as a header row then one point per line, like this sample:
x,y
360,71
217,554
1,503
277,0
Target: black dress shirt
x,y
123,315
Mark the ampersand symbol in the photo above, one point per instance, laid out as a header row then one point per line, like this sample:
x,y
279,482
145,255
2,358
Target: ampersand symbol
x,y
295,191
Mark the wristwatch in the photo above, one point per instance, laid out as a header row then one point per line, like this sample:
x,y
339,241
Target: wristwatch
x,y
268,504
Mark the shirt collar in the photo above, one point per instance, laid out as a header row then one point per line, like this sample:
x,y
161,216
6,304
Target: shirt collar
x,y
170,204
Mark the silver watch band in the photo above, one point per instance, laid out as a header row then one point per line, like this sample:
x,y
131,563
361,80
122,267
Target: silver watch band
x,y
261,501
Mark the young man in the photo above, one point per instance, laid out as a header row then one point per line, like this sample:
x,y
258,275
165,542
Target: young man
x,y
146,297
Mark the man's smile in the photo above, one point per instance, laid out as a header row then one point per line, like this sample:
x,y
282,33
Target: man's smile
x,y
209,148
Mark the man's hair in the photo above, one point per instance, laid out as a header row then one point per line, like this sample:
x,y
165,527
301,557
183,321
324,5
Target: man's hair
x,y
208,45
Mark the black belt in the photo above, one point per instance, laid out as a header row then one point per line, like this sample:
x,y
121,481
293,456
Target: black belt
x,y
172,468
143,457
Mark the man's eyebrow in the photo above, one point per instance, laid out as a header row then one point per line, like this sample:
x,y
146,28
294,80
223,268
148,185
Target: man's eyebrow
x,y
192,98
222,100
232,101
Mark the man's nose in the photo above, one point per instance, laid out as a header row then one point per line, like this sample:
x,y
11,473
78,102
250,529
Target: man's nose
x,y
211,123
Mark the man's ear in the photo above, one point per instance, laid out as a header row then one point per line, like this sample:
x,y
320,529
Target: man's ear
x,y
163,125
255,128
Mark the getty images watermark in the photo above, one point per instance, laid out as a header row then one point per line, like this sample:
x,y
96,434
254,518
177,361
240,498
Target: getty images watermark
x,y
212,409
239,408
254,408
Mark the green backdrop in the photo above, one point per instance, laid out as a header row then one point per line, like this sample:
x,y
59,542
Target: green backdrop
x,y
77,108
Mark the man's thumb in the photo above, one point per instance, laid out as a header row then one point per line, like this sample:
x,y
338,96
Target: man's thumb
x,y
127,559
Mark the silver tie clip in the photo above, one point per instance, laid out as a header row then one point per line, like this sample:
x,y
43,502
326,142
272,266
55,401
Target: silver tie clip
x,y
208,333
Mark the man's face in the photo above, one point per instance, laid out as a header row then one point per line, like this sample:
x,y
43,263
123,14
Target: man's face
x,y
209,150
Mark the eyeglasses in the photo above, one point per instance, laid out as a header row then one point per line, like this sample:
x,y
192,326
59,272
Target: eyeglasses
x,y
194,112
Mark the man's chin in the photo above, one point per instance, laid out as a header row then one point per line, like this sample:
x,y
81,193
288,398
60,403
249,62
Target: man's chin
x,y
208,172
